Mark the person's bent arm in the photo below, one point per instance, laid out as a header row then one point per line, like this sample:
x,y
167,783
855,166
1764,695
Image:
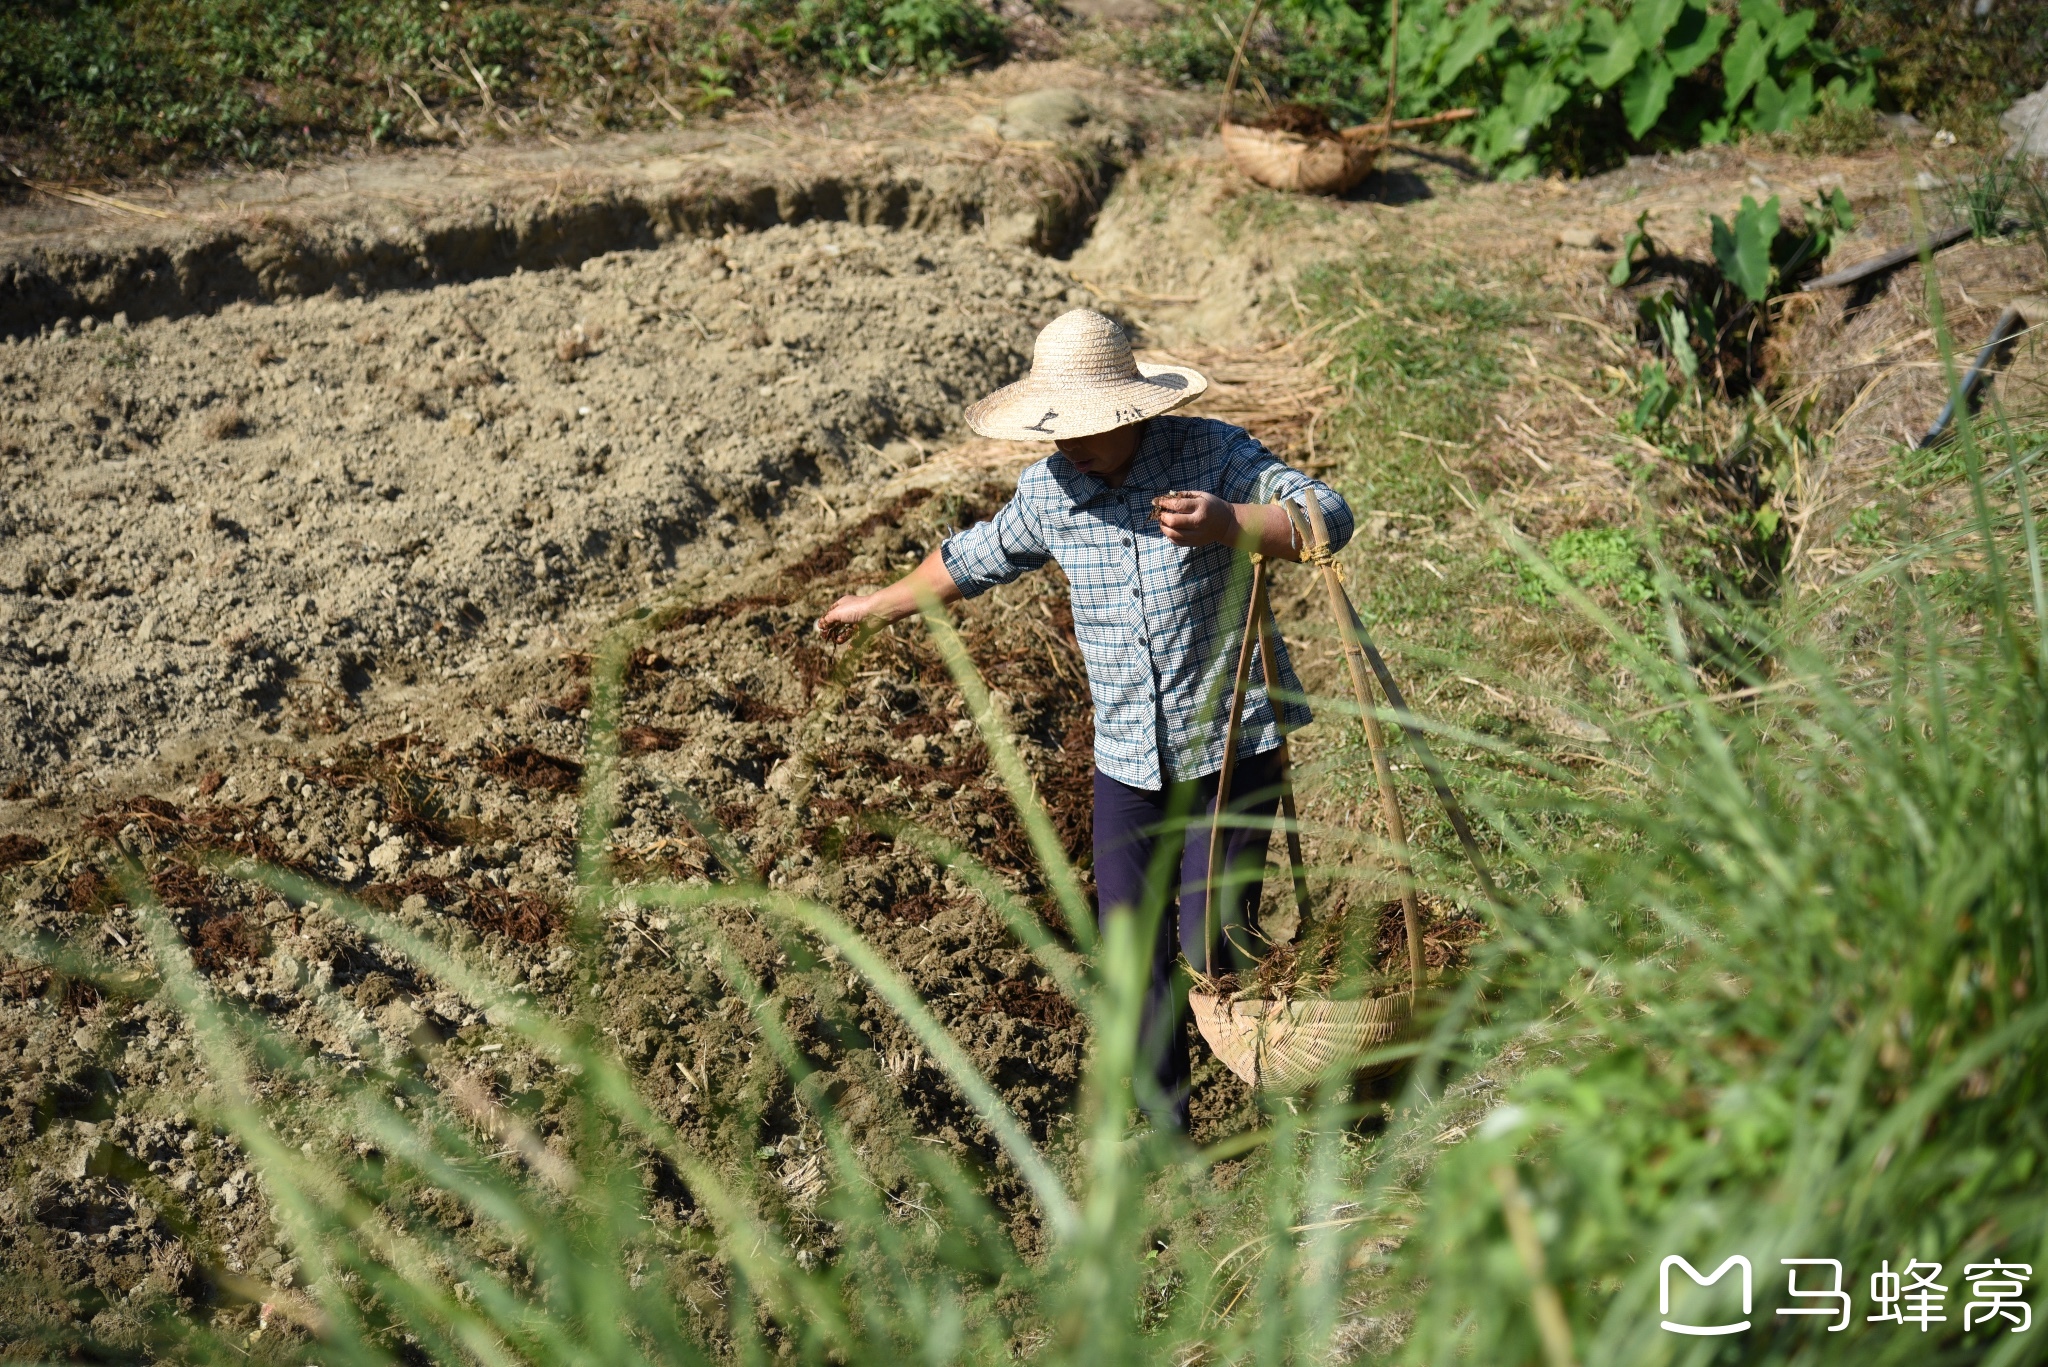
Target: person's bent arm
x,y
931,579
1194,519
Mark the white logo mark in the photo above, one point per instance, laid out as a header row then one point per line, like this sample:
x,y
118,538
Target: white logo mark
x,y
1664,1294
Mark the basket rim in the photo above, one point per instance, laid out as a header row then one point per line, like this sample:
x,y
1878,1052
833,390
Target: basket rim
x,y
1201,988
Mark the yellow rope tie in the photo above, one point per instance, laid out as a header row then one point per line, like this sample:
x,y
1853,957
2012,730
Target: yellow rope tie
x,y
1322,557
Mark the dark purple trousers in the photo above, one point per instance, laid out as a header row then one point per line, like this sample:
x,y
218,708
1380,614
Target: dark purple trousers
x,y
1131,827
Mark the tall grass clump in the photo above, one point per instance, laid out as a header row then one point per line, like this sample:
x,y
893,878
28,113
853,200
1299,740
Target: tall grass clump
x,y
1788,1006
1780,1001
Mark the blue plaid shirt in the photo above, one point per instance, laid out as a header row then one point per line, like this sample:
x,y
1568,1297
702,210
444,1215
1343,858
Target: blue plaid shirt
x,y
1149,614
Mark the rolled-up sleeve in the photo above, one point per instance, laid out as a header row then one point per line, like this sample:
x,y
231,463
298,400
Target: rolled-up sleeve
x,y
996,551
1252,474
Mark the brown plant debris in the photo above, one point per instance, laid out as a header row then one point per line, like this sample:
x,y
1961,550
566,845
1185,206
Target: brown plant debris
x,y
219,941
526,767
88,892
1306,120
16,848
641,740
389,896
520,916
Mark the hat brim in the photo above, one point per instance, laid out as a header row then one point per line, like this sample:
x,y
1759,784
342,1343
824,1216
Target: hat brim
x,y
1045,410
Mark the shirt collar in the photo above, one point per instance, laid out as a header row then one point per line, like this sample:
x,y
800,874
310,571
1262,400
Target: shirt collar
x,y
1149,468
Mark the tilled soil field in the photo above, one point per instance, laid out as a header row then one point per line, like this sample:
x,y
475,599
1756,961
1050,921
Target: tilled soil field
x,y
259,515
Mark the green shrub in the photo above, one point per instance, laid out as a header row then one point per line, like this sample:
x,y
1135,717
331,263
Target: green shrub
x,y
1573,88
863,37
2002,194
1944,62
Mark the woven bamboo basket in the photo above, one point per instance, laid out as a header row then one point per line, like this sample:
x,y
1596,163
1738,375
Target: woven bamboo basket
x,y
1290,161
1326,164
1283,1047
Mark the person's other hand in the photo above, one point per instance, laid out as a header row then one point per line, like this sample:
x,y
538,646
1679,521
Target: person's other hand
x,y
1197,519
845,617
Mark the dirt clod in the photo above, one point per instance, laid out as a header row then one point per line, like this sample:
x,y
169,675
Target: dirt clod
x,y
224,422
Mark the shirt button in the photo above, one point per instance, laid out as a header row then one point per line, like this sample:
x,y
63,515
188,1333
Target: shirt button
x,y
1127,541
1137,593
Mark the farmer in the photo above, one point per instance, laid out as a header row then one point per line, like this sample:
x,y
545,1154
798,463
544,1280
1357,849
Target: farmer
x,y
1146,514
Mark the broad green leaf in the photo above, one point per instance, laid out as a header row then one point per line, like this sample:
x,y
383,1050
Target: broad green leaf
x,y
1657,398
1793,32
1677,333
1521,168
1863,92
1696,37
1476,30
1714,132
1831,213
1767,14
1652,19
1645,93
1638,239
1743,251
1598,26
1798,103
1747,61
1762,114
1610,49
1493,136
1530,98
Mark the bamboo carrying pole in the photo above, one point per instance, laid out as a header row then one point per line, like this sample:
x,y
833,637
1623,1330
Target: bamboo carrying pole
x,y
1375,738
1297,869
1211,918
1352,628
1256,630
1296,1041
1359,655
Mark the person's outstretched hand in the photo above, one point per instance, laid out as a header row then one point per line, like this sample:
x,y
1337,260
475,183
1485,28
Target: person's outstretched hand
x,y
1197,519
930,582
845,617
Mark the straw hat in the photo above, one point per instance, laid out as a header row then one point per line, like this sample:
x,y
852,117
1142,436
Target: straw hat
x,y
1083,380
